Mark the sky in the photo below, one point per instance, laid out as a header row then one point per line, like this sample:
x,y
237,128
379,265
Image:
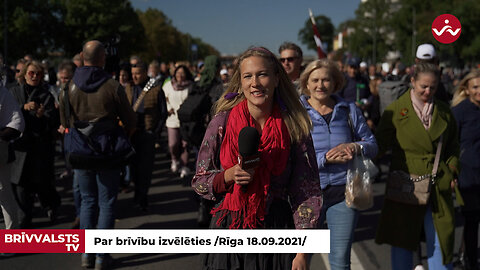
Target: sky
x,y
233,26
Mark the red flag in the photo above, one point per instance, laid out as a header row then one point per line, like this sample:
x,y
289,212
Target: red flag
x,y
316,36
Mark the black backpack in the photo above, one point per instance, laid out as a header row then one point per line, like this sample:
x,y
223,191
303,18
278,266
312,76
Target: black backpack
x,y
391,90
192,114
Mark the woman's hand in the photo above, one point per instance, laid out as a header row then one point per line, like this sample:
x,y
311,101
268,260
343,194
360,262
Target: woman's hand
x,y
30,106
171,111
300,262
61,129
239,175
342,153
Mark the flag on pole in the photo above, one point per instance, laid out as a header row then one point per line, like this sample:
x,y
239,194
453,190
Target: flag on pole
x,y
316,36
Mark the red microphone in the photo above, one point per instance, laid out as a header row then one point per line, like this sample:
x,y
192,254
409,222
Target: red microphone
x,y
248,141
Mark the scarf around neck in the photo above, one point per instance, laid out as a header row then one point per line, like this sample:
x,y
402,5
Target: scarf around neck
x,y
248,208
423,110
180,86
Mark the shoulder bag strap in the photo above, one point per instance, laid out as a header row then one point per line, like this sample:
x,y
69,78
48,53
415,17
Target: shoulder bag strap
x,y
66,102
350,124
437,157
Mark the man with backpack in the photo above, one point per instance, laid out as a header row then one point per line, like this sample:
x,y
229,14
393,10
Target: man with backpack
x,y
94,99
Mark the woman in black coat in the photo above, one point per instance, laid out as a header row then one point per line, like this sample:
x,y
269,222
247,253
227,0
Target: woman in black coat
x,y
37,143
466,109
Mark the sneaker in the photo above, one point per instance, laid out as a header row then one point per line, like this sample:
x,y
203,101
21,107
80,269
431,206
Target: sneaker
x,y
66,175
419,267
52,215
174,166
104,262
184,172
75,224
88,260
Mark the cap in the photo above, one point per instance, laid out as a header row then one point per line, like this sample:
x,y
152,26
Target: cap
x,y
425,52
353,62
200,64
363,64
223,72
385,67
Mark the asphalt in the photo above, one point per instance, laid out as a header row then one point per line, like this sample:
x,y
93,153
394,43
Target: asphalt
x,y
174,205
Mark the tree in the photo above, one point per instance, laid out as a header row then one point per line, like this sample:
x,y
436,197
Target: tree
x,y
90,19
31,27
165,41
406,24
325,29
369,34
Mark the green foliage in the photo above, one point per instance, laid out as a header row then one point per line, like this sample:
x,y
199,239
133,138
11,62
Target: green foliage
x,y
41,27
397,22
31,27
102,20
325,29
165,41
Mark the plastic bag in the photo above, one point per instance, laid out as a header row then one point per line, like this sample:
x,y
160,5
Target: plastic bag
x,y
360,175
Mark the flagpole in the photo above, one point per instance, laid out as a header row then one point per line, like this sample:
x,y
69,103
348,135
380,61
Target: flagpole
x,y
316,36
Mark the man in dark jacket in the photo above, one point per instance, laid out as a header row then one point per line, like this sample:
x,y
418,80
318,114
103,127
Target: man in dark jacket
x,y
151,108
96,99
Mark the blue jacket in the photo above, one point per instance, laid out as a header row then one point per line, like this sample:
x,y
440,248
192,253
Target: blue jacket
x,y
467,115
326,136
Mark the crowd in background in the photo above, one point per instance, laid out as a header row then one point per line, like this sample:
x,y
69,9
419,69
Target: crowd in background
x,y
330,91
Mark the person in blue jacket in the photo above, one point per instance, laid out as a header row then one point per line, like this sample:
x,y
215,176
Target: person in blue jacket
x,y
466,109
337,140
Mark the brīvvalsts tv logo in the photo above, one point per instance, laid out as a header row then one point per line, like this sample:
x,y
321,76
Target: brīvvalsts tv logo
x,y
446,28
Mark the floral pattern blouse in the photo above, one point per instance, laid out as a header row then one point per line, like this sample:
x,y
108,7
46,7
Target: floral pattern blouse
x,y
298,184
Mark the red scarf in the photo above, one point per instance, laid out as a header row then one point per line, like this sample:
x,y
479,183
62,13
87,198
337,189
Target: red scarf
x,y
248,208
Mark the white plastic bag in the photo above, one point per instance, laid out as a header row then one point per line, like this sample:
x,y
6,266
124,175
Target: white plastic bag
x,y
360,175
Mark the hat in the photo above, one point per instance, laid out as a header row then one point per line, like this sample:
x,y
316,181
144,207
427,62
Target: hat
x,y
363,64
385,67
353,62
223,72
425,52
200,64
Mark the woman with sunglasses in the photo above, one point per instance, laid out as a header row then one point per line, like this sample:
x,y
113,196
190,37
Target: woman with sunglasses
x,y
37,144
282,189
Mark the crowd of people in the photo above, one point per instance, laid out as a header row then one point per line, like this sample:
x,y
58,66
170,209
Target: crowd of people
x,y
312,119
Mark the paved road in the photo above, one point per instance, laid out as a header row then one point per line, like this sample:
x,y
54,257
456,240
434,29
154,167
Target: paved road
x,y
173,206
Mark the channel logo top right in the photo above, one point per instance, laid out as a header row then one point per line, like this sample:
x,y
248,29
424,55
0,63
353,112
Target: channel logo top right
x,y
446,28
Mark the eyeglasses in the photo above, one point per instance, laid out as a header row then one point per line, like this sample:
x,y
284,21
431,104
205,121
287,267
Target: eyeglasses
x,y
288,59
37,73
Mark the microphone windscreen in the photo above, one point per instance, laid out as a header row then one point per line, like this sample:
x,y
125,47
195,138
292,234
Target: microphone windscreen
x,y
248,141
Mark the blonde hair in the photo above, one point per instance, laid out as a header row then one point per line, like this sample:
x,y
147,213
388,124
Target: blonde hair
x,y
34,63
337,77
460,93
295,116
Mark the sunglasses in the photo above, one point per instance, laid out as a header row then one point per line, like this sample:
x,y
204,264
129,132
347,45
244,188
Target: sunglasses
x,y
288,59
17,70
37,73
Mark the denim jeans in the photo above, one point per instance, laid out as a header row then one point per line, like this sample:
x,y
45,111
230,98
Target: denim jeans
x,y
98,190
403,258
342,221
77,197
